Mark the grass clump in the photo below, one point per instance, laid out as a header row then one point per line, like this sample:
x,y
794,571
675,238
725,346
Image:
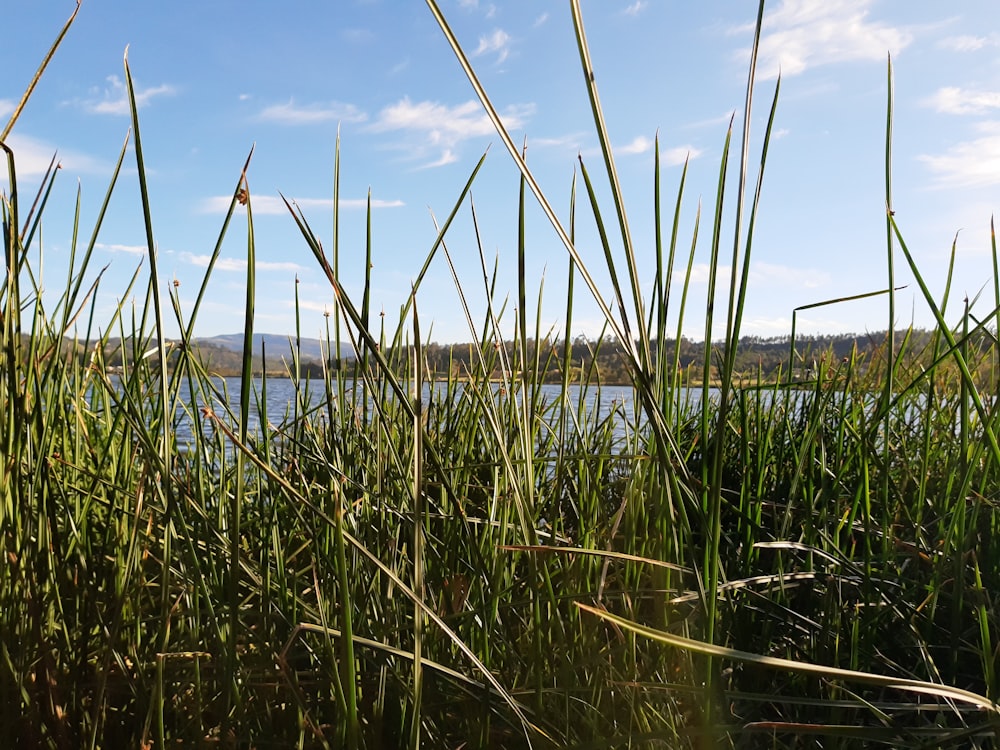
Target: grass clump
x,y
490,561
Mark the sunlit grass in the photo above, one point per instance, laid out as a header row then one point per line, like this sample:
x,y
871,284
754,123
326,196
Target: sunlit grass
x,y
486,561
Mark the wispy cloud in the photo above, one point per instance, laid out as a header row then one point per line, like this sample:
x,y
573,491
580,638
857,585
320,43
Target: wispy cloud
x,y
673,157
447,157
292,114
780,326
127,249
113,98
357,36
802,34
235,264
33,156
442,128
787,276
540,20
323,307
723,119
570,141
6,107
670,157
636,8
968,42
767,274
489,10
957,101
974,163
272,205
638,145
497,41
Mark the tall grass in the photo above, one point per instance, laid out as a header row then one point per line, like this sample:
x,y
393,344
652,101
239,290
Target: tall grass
x,y
481,561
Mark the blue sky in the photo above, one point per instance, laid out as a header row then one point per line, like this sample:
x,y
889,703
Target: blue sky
x,y
213,79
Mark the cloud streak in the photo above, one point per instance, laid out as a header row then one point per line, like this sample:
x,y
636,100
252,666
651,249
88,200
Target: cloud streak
x,y
292,114
234,264
272,205
127,249
969,43
764,274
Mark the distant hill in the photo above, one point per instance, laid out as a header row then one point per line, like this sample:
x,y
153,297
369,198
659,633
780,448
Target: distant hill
x,y
223,355
276,345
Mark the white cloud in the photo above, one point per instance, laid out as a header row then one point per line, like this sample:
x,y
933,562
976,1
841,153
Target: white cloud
x,y
725,119
358,36
6,107
974,163
540,20
290,114
234,264
767,326
489,12
571,141
676,156
449,123
323,307
957,101
764,274
448,157
786,276
639,145
273,205
670,157
969,43
636,8
113,99
442,128
780,326
127,249
802,34
498,41
32,157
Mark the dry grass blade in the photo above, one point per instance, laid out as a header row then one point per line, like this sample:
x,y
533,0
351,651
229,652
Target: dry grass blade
x,y
831,673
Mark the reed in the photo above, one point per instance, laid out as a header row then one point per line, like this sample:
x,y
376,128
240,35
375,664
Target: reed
x,y
485,561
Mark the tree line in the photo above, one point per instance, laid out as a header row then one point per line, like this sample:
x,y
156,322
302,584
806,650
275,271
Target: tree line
x,y
758,359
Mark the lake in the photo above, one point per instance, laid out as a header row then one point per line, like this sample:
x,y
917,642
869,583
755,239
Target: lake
x,y
616,402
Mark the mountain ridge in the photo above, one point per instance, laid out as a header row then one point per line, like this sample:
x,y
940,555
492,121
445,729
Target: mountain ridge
x,y
274,344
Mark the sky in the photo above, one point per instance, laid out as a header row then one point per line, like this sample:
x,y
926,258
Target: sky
x,y
215,79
